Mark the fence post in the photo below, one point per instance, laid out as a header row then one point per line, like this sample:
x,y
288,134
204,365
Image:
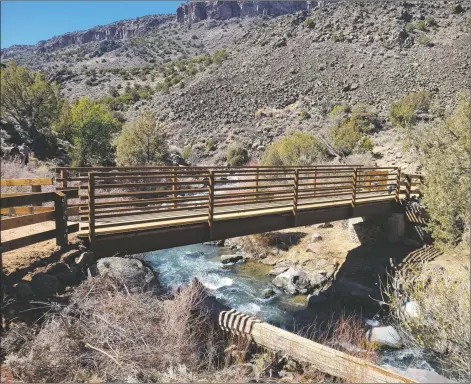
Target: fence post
x,y
256,183
64,175
354,186
174,188
295,194
211,203
34,189
60,217
408,186
398,185
91,209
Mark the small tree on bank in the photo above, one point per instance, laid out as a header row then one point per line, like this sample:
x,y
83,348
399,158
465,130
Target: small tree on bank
x,y
93,126
141,142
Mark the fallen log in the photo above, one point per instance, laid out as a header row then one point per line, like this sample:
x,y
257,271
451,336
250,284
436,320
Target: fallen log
x,y
323,358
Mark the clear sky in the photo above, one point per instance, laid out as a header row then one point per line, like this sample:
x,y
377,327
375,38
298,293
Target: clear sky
x,y
27,22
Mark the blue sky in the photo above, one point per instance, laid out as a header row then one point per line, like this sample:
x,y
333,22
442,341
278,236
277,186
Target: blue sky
x,y
27,22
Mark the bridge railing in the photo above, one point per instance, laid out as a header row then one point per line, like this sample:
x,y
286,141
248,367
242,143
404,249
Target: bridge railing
x,y
180,195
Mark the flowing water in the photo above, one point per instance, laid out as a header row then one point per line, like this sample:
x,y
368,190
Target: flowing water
x,y
240,286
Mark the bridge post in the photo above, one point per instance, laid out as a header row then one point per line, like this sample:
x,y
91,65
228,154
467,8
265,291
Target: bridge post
x,y
174,188
398,184
91,209
295,194
354,186
211,203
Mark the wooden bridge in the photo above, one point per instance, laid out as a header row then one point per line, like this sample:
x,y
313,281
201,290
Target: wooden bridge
x,y
134,210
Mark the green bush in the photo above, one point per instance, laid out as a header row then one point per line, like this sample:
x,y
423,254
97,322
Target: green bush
x,y
299,148
304,115
337,110
309,23
141,142
186,153
210,144
236,155
424,40
421,25
445,157
410,27
403,112
366,145
349,133
219,56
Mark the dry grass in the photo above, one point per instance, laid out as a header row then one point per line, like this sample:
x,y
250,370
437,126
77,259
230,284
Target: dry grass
x,y
14,170
259,245
440,322
108,334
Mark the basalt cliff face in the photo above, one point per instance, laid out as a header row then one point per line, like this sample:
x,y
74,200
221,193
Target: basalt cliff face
x,y
193,12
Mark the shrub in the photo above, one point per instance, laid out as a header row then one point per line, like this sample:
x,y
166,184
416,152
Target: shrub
x,y
440,323
404,111
445,157
299,148
349,133
337,110
236,155
410,27
309,23
93,125
141,142
219,56
424,40
186,153
304,115
366,145
210,144
421,25
107,334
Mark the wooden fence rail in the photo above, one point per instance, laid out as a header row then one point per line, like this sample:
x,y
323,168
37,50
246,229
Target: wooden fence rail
x,y
58,214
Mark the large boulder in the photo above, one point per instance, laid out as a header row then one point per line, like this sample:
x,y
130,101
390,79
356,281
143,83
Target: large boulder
x,y
348,287
131,272
225,259
384,336
277,270
292,281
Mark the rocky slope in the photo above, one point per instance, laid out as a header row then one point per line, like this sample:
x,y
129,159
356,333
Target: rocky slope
x,y
274,69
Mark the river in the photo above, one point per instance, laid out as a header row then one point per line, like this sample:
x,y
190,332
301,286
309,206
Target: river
x,y
240,286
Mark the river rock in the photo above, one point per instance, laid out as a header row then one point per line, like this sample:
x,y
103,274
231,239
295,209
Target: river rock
x,y
44,284
350,287
410,310
225,259
384,336
24,290
58,268
315,237
419,375
131,272
313,300
86,259
267,293
277,270
292,281
323,225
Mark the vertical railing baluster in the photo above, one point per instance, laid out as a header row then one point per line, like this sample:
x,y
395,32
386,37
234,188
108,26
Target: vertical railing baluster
x,y
354,186
398,184
91,209
211,203
256,183
295,193
314,182
408,186
174,188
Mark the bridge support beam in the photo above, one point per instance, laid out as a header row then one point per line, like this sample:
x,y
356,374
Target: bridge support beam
x,y
396,227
